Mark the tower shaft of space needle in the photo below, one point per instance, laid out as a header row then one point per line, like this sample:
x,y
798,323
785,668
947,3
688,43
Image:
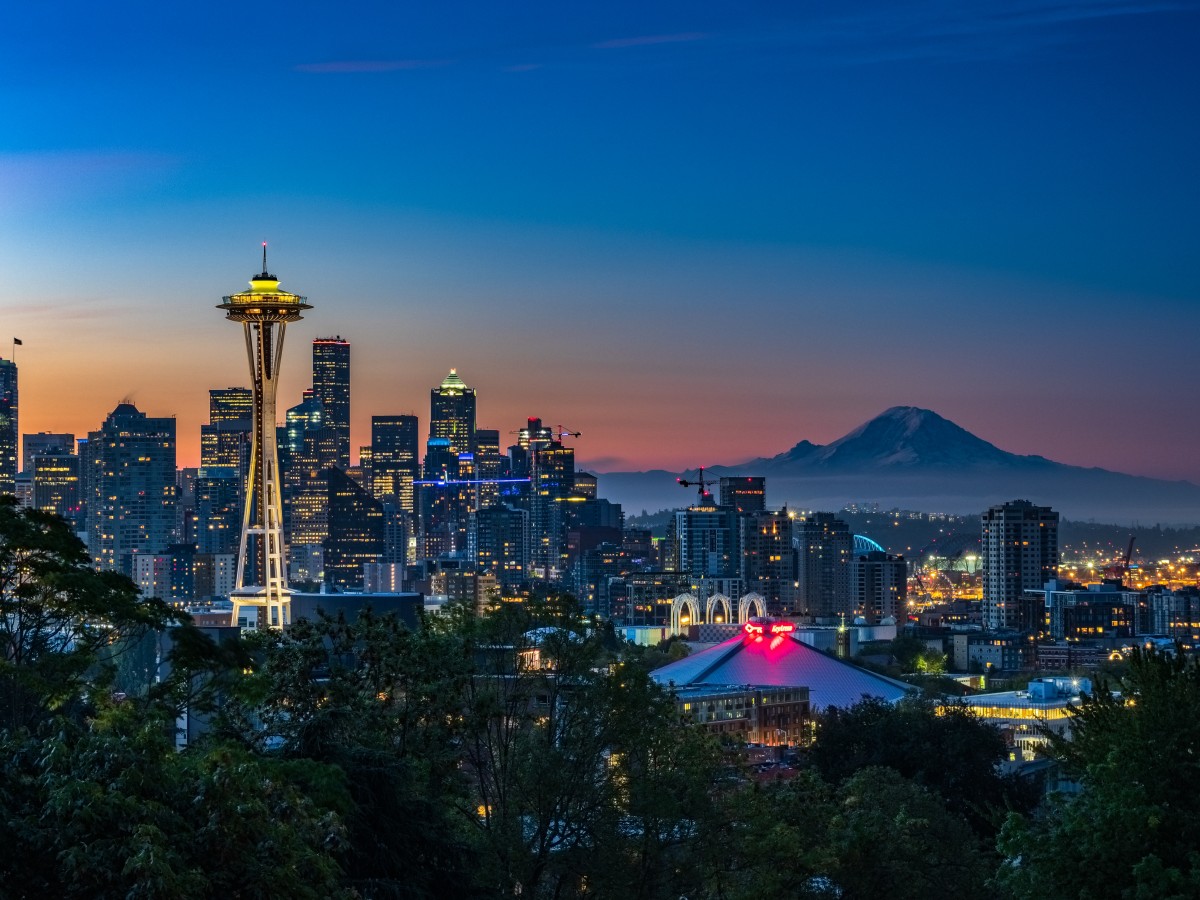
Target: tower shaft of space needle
x,y
264,312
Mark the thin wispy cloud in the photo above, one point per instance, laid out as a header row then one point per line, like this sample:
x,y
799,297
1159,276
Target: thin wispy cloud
x,y
648,39
67,310
941,31
521,67
369,66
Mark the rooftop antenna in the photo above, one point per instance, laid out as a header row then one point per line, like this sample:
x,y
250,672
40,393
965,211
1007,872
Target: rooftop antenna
x,y
264,257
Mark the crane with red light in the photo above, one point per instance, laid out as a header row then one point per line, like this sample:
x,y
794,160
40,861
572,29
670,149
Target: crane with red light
x,y
701,484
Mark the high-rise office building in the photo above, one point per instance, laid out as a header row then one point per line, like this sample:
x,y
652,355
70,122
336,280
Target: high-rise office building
x,y
226,444
225,441
452,413
587,486
490,465
394,462
306,487
9,426
217,509
768,557
645,598
704,541
552,482
1020,553
879,586
133,510
331,384
185,505
88,450
596,569
824,549
744,494
441,498
498,543
230,404
44,442
56,484
214,575
307,447
307,415
152,574
356,531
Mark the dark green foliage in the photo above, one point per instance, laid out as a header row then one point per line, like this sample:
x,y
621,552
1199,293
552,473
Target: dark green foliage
x,y
950,752
579,770
115,811
62,624
380,704
525,751
873,835
1133,830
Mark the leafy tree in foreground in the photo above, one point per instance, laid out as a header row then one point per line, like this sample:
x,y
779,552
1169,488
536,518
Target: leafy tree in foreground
x,y
952,753
60,620
114,810
381,705
874,835
1133,831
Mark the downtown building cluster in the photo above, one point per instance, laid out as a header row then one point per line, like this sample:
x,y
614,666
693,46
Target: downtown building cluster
x,y
475,513
451,510
1031,618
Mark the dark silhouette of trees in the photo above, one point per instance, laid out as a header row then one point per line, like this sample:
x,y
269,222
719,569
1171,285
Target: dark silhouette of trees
x,y
1133,827
948,750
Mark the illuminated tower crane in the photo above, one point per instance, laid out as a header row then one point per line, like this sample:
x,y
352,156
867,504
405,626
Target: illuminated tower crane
x,y
264,312
702,485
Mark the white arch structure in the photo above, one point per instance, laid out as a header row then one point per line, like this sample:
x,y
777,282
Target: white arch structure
x,y
750,602
678,605
712,606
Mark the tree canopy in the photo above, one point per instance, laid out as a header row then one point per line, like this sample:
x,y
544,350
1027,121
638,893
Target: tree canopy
x,y
525,751
1132,829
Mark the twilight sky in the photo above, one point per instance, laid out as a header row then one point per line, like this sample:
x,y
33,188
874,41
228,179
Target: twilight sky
x,y
696,232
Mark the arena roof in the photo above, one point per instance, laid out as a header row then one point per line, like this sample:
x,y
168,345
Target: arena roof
x,y
779,659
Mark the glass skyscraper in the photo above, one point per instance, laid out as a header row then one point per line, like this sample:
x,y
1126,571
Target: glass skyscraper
x,y
331,384
9,426
134,507
394,463
452,413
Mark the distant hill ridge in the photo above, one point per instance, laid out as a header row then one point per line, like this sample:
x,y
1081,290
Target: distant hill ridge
x,y
914,458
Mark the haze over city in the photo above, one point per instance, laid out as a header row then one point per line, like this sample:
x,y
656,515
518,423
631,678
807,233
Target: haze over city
x,y
695,233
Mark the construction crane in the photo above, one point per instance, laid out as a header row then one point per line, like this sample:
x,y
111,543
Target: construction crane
x,y
701,484
1120,570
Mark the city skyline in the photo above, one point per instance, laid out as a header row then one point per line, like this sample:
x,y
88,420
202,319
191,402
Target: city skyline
x,y
695,236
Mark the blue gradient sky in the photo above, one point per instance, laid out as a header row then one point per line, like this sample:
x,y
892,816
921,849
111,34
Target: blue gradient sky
x,y
695,232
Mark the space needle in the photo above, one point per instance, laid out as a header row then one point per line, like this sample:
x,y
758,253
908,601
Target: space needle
x,y
264,312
